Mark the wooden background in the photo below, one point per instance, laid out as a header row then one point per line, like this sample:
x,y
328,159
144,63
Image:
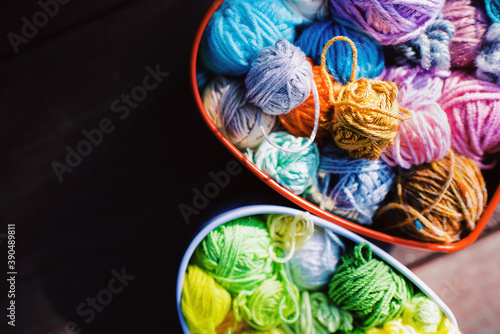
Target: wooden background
x,y
119,207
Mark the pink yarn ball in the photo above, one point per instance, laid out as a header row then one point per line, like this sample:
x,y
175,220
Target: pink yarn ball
x,y
415,85
471,23
423,138
473,110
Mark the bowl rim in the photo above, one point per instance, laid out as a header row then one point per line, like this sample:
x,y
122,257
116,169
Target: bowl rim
x,y
340,231
314,209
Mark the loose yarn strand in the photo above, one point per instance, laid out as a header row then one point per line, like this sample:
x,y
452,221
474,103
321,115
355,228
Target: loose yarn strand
x,y
313,134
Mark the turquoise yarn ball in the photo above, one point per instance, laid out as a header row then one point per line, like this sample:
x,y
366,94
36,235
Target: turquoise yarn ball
x,y
239,29
294,171
371,59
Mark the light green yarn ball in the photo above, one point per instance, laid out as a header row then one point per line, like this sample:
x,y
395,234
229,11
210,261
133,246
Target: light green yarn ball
x,y
422,314
294,171
236,254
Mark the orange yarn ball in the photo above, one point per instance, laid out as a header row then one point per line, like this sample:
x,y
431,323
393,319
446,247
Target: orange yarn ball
x,y
300,121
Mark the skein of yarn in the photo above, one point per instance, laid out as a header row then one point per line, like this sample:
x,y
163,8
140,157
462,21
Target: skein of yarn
x,y
471,23
294,171
225,102
268,306
300,121
368,288
339,58
473,110
437,202
236,254
488,60
311,10
312,266
205,303
416,85
239,29
389,22
493,10
319,316
423,314
366,114
393,327
430,49
426,137
350,188
279,79
289,233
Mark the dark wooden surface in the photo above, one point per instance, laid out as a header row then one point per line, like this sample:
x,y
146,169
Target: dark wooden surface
x,y
119,207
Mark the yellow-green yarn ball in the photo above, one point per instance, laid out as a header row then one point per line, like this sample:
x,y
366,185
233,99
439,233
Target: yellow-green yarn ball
x,y
204,302
423,314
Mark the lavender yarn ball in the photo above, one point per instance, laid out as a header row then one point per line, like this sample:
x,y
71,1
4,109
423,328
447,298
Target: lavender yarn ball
x,y
348,187
225,102
239,29
312,266
415,85
293,171
431,49
488,60
280,78
389,22
339,56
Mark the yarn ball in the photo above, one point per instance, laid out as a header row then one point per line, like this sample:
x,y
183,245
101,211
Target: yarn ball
x,y
236,254
300,121
368,288
293,171
425,137
366,118
350,188
238,30
389,22
312,266
493,10
311,10
430,49
268,306
225,102
319,316
488,60
280,78
204,303
423,314
415,85
270,331
339,57
471,23
473,110
437,202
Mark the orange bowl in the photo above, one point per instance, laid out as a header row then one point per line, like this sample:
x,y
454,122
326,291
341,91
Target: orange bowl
x,y
306,205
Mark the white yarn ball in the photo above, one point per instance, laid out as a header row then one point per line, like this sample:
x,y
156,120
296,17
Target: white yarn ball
x,y
313,265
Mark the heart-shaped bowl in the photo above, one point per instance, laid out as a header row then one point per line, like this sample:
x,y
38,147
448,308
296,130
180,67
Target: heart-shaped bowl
x,y
339,231
314,209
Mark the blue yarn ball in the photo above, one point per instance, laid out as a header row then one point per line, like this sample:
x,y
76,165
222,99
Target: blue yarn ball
x,y
280,78
239,29
350,188
488,60
294,171
339,55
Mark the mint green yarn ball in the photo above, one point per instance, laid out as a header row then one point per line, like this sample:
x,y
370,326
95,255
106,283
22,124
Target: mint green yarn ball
x,y
423,314
236,254
294,171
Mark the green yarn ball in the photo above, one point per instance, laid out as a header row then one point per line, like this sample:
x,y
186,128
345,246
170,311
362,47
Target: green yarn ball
x,y
368,288
422,314
236,254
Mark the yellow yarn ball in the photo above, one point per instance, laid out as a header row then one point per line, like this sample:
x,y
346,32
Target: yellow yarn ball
x,y
271,331
393,327
204,302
